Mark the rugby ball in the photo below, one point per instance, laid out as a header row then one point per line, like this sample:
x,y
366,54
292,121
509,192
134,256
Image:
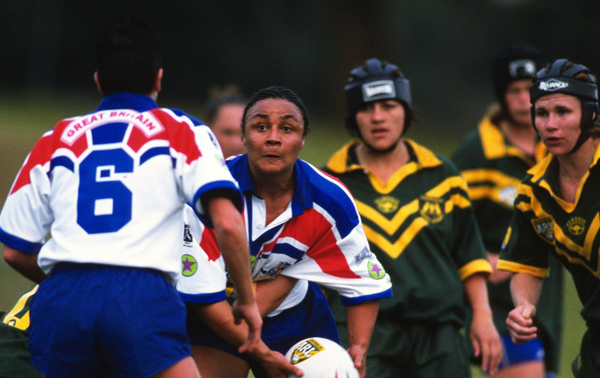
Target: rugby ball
x,y
321,358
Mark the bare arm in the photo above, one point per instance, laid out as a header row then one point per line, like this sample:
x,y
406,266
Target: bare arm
x,y
270,293
218,316
233,244
525,290
361,320
483,333
24,263
497,276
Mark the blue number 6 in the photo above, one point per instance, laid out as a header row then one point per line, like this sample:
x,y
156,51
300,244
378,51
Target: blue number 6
x,y
104,202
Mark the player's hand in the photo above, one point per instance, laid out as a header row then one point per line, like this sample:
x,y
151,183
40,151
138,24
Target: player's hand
x,y
249,313
486,341
359,356
275,363
520,324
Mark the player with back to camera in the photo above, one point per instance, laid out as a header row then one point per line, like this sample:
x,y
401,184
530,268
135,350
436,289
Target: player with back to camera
x,y
493,159
223,114
418,219
110,187
557,207
304,230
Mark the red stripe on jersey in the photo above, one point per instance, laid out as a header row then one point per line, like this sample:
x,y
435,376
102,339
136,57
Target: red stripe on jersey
x,y
185,141
209,244
43,151
321,241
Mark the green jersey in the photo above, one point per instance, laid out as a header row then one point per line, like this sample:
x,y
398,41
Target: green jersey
x,y
421,227
15,360
544,224
493,169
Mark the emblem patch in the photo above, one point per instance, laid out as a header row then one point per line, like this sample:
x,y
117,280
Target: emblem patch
x,y
387,204
576,225
189,265
431,209
376,271
305,351
545,228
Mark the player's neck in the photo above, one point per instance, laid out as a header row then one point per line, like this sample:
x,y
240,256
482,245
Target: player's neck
x,y
383,164
522,136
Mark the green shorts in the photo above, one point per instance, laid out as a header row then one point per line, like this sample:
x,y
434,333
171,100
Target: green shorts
x,y
15,360
417,351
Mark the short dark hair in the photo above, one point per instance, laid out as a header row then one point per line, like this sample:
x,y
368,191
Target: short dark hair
x,y
277,93
212,107
128,57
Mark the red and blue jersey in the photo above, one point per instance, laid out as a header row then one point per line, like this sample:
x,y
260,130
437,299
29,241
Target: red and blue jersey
x,y
318,238
110,187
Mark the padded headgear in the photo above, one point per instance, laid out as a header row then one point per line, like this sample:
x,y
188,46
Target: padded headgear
x,y
551,80
514,62
376,80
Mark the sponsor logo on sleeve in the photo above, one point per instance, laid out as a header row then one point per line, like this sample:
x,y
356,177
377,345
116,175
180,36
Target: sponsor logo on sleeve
x,y
376,271
362,256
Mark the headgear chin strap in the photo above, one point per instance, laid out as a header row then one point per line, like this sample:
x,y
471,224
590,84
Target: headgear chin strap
x,y
552,80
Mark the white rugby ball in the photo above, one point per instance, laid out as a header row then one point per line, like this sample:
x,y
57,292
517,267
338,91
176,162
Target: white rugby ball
x,y
321,358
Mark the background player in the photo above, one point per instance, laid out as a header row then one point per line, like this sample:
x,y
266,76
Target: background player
x,y
418,219
14,338
223,114
110,187
493,159
557,207
303,226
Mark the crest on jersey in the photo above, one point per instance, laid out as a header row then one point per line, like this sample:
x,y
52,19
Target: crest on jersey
x,y
576,225
376,271
305,351
189,265
545,228
431,209
387,204
362,255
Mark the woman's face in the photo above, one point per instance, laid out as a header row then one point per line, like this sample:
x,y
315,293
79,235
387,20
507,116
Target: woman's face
x,y
558,120
274,136
517,102
380,124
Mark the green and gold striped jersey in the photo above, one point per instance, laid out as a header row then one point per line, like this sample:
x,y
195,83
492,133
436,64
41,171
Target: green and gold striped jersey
x,y
493,169
421,227
545,224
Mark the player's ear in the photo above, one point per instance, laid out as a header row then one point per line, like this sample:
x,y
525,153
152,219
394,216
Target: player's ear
x,y
98,83
158,81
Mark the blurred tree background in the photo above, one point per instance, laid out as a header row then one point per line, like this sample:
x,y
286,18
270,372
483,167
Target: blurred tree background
x,y
443,46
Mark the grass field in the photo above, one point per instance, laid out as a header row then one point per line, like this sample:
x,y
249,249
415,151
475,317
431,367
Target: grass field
x,y
24,118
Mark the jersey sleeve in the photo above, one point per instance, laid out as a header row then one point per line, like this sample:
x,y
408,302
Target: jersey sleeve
x,y
468,250
528,240
26,216
203,277
201,170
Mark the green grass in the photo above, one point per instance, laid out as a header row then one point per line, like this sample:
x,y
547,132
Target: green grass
x,y
25,117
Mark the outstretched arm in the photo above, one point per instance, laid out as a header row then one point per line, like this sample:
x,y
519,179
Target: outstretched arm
x,y
483,333
233,244
361,320
525,290
24,263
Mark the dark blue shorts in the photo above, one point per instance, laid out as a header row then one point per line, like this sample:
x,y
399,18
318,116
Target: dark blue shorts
x,y
514,354
104,321
310,318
